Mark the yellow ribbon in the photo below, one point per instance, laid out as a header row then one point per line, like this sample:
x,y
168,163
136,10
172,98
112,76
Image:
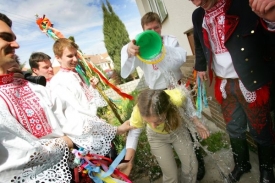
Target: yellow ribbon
x,y
163,52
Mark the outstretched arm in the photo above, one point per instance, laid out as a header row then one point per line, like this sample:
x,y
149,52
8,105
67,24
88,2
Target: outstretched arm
x,y
201,129
129,60
131,145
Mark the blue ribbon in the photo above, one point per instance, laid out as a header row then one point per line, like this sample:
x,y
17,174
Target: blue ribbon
x,y
115,163
92,169
82,74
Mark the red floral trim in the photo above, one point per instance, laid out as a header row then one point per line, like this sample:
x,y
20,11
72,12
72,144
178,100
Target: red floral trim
x,y
6,79
218,93
262,94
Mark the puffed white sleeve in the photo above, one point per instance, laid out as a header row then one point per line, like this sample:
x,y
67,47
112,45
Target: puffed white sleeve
x,y
25,158
174,57
128,64
97,98
83,126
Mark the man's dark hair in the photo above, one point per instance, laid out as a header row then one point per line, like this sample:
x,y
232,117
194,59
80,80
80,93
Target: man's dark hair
x,y
5,19
37,57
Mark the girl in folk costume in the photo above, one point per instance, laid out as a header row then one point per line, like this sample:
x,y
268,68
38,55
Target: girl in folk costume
x,y
164,114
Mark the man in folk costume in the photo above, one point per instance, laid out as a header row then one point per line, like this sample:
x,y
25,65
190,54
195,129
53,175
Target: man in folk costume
x,y
154,74
80,102
235,43
33,147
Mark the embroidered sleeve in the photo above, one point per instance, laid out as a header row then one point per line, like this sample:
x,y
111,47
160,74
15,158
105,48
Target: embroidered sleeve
x,y
128,64
174,58
27,159
97,98
83,127
96,136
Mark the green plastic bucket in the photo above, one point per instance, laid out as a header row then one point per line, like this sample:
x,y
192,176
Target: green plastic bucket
x,y
150,44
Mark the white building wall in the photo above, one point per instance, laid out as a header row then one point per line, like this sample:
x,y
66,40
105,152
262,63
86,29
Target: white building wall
x,y
178,21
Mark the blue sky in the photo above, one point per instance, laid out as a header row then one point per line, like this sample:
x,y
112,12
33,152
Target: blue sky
x,y
82,19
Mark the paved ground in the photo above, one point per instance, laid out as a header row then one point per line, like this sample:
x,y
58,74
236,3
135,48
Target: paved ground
x,y
221,160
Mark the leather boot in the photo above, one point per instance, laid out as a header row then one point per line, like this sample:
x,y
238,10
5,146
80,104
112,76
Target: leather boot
x,y
266,164
241,158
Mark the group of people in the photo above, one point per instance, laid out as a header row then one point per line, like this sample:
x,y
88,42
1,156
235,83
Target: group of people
x,y
39,125
233,41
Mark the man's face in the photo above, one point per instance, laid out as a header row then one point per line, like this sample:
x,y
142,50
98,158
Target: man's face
x,y
155,26
44,69
68,60
7,46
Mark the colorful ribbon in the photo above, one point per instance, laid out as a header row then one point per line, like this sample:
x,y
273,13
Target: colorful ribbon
x,y
46,26
100,168
201,97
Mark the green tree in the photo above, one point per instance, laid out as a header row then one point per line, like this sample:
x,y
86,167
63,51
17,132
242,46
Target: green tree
x,y
115,34
72,38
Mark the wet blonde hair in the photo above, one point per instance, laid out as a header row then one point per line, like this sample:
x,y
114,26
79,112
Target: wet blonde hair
x,y
62,43
157,102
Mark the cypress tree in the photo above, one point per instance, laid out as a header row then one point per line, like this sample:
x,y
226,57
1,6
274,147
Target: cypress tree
x,y
72,38
115,35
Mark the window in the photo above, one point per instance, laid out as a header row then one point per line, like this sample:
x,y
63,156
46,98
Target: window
x,y
158,7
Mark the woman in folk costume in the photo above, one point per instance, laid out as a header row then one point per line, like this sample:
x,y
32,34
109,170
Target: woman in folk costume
x,y
80,103
235,38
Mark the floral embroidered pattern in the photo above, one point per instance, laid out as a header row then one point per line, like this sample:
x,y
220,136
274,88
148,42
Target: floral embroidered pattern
x,y
222,88
47,165
214,23
5,79
43,160
249,96
25,107
101,134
